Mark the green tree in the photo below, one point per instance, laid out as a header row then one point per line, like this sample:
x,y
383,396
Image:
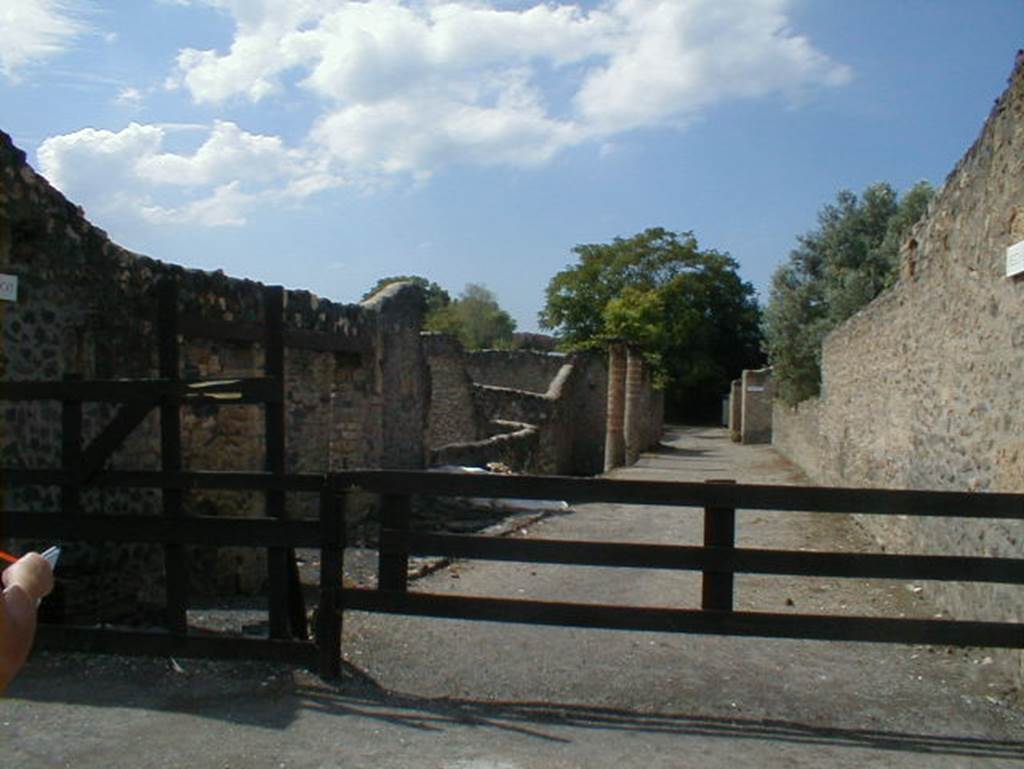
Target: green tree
x,y
475,318
696,321
836,269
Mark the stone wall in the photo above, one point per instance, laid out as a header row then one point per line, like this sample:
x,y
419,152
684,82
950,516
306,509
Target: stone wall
x,y
922,388
518,369
563,397
454,416
756,408
86,307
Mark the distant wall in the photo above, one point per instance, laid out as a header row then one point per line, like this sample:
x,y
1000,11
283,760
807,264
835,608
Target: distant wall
x,y
453,415
518,369
756,408
563,397
922,388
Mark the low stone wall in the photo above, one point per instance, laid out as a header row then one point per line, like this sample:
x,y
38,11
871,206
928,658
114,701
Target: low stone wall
x,y
515,445
921,389
563,396
517,369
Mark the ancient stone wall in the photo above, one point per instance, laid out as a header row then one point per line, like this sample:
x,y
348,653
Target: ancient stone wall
x,y
518,369
86,307
563,397
922,388
454,416
756,408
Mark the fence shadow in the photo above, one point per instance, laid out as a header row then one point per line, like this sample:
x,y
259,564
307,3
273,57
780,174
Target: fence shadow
x,y
273,697
358,695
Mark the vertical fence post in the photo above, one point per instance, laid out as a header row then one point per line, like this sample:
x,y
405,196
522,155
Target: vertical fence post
x,y
393,551
287,608
273,424
175,567
332,549
71,449
719,533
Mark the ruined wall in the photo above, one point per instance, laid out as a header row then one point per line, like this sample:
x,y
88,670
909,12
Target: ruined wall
x,y
454,416
86,307
590,412
922,388
518,369
562,396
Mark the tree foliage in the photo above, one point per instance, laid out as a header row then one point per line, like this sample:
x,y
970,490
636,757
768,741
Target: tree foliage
x,y
696,321
836,269
475,318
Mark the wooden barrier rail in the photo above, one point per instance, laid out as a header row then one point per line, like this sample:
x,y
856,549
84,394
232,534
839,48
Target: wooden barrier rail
x,y
718,560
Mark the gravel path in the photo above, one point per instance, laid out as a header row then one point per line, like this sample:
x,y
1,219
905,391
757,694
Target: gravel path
x,y
477,695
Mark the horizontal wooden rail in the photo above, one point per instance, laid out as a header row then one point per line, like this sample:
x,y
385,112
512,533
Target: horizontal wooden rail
x,y
739,560
221,391
188,530
757,624
162,644
947,504
156,479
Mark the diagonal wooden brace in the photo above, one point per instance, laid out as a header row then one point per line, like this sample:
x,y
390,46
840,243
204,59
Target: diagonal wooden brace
x,y
128,417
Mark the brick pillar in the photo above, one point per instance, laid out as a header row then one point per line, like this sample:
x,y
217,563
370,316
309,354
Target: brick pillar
x,y
614,442
634,417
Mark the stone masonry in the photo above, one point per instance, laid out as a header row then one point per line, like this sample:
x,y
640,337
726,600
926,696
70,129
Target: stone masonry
x,y
922,388
86,307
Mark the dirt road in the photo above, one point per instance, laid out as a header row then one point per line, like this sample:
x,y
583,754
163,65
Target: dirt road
x,y
462,695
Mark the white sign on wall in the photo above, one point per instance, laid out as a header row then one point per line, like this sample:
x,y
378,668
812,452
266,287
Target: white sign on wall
x,y
1015,259
9,288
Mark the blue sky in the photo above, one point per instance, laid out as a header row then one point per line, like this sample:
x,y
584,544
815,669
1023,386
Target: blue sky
x,y
324,144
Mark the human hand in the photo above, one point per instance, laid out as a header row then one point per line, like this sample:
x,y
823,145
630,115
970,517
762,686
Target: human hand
x,y
31,573
26,581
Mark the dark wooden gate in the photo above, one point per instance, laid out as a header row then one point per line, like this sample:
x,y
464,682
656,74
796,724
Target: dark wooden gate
x,y
718,559
84,467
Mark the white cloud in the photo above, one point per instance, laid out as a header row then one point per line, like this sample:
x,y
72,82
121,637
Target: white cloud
x,y
220,183
33,30
675,58
129,97
408,87
397,89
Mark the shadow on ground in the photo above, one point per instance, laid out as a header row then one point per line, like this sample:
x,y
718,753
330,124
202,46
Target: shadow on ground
x,y
360,696
271,697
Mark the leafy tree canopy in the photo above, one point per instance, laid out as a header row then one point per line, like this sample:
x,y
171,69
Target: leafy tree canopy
x,y
475,318
836,269
696,321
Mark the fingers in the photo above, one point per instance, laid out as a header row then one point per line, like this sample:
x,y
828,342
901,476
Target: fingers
x,y
32,573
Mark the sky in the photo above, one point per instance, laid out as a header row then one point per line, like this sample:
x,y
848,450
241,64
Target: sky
x,y
324,144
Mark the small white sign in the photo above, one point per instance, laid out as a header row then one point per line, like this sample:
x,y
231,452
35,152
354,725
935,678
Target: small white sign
x,y
9,288
1015,259
755,389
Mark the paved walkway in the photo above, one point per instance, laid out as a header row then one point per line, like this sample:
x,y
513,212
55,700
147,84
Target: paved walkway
x,y
463,695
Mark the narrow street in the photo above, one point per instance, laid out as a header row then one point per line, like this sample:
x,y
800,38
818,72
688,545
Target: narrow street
x,y
448,694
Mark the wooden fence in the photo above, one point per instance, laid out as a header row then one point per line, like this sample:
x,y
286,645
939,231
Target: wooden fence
x,y
718,560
